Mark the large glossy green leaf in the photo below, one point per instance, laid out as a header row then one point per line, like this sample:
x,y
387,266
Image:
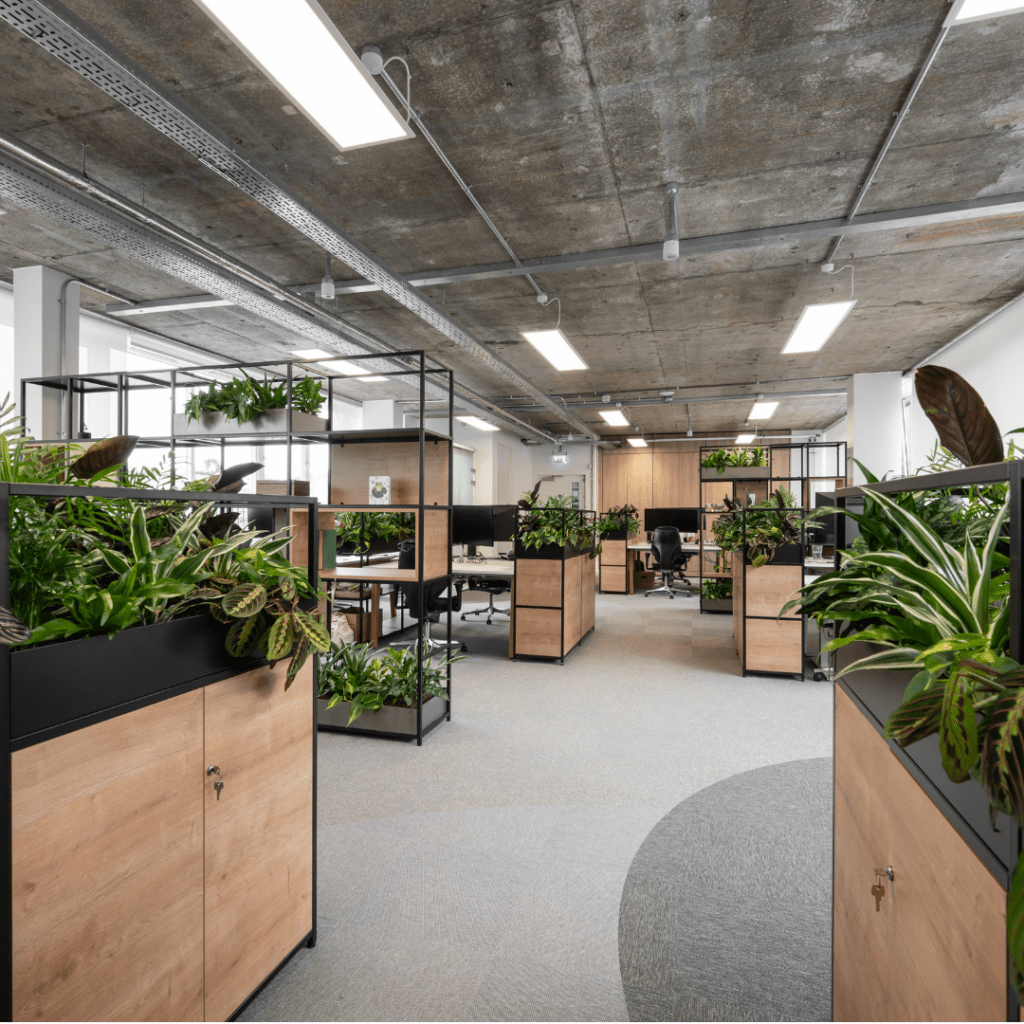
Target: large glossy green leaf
x,y
900,658
138,535
958,730
960,417
916,718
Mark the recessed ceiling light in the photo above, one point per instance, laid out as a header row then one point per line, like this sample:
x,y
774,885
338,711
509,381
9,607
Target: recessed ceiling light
x,y
746,439
816,325
980,10
615,418
298,48
167,305
637,442
763,410
310,353
371,379
475,421
555,348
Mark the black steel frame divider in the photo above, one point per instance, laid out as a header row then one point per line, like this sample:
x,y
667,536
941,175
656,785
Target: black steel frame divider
x,y
110,493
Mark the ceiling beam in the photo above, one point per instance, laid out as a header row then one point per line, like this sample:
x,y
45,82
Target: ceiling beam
x,y
1011,205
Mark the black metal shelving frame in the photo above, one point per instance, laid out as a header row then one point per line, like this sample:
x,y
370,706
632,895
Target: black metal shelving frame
x,y
1012,474
804,448
9,491
417,363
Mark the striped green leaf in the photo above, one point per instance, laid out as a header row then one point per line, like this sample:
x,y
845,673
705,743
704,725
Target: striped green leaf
x,y
1001,769
242,636
287,587
958,730
280,639
899,658
12,629
1015,923
916,718
313,631
138,535
244,600
298,660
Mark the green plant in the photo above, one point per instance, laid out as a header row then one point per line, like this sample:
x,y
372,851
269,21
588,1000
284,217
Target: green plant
x,y
350,672
716,590
557,521
244,398
723,458
307,396
771,522
625,518
359,528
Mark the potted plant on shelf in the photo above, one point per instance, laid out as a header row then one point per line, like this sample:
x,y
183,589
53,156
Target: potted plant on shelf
x,y
735,464
716,596
354,680
773,529
555,529
137,596
247,405
373,532
619,523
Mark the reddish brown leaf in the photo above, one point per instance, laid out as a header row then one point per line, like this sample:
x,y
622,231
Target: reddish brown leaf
x,y
960,417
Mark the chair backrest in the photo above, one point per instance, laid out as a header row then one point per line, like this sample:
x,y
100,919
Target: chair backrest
x,y
411,591
667,547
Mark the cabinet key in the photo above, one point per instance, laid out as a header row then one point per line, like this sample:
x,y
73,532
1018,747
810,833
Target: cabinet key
x,y
220,785
878,891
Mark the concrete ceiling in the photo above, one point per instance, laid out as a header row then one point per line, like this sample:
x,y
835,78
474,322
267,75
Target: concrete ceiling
x,y
568,117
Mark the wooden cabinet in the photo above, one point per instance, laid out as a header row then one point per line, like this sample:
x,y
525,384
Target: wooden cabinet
x,y
765,642
614,562
139,891
552,605
935,949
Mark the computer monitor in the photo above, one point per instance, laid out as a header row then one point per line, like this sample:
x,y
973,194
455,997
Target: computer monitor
x,y
482,525
825,528
685,520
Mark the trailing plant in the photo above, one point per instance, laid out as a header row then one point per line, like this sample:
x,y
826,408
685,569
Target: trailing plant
x,y
351,672
244,398
716,590
557,521
625,518
724,458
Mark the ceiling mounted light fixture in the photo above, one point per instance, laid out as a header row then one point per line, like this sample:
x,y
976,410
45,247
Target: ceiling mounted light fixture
x,y
168,305
475,421
637,442
297,46
763,410
670,249
746,439
615,418
816,325
310,353
555,348
980,10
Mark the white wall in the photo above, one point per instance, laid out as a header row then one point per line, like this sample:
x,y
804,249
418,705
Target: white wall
x,y
989,357
582,460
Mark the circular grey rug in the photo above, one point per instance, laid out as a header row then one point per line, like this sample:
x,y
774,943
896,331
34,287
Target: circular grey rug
x,y
726,912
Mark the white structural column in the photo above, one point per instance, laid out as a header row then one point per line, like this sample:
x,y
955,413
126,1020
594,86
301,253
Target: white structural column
x,y
874,425
382,415
39,349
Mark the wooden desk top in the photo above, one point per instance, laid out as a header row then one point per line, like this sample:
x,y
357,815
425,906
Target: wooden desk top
x,y
488,567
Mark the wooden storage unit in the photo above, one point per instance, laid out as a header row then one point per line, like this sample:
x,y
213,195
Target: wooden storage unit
x,y
552,604
764,642
138,893
935,949
615,565
357,456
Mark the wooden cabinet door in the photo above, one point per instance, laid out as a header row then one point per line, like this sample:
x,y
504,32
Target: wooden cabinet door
x,y
936,947
259,839
107,874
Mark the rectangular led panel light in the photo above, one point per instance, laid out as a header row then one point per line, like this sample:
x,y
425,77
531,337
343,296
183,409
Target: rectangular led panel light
x,y
555,348
746,439
980,10
195,302
816,325
309,353
637,442
615,418
763,410
475,421
296,45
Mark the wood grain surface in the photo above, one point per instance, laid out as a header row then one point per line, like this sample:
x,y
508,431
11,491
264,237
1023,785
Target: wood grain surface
x,y
259,852
538,631
107,879
539,582
573,602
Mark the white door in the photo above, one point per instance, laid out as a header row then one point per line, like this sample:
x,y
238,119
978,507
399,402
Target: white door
x,y
573,485
462,480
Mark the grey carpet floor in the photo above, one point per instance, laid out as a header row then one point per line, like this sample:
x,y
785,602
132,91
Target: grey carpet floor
x,y
726,911
479,877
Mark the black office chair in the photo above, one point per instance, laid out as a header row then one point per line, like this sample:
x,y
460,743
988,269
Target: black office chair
x,y
492,586
669,558
433,603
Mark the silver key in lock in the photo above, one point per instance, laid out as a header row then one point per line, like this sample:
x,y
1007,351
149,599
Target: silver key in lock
x,y
218,786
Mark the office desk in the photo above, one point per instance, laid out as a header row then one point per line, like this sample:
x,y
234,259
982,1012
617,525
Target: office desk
x,y
691,548
488,567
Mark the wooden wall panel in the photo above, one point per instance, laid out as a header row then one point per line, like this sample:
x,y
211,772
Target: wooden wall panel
x,y
667,482
107,876
689,477
259,832
613,480
639,480
352,465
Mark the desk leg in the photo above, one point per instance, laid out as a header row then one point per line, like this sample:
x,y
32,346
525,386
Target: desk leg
x,y
375,623
512,619
630,569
